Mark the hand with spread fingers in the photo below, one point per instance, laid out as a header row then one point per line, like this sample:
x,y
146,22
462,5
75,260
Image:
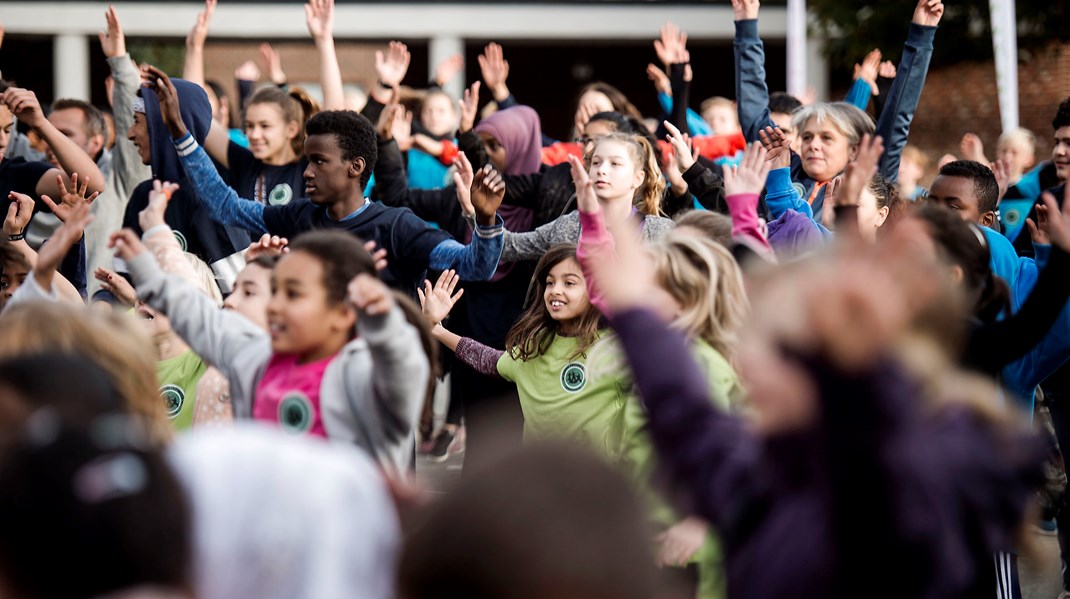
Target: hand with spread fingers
x,y
69,200
488,191
438,301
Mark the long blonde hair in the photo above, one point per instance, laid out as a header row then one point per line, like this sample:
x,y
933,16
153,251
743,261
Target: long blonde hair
x,y
113,341
706,281
652,190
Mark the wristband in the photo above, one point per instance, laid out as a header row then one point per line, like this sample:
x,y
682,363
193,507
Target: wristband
x,y
384,85
17,237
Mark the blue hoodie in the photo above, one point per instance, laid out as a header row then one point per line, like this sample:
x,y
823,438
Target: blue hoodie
x,y
218,245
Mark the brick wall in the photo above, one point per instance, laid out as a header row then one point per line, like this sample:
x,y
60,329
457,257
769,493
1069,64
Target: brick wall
x,y
963,98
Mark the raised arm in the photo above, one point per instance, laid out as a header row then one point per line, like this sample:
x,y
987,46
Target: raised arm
x,y
215,335
158,236
72,159
193,64
126,162
752,92
478,260
742,187
894,122
392,184
319,16
222,202
18,217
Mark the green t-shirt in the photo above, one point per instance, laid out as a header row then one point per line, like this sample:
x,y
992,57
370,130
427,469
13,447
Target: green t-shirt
x,y
178,378
561,399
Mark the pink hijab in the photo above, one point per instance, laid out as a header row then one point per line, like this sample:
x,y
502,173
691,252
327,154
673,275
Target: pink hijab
x,y
519,131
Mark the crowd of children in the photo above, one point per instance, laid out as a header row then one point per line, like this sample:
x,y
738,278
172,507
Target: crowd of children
x,y
753,350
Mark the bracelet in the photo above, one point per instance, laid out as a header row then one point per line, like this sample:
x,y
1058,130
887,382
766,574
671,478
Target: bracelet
x,y
18,237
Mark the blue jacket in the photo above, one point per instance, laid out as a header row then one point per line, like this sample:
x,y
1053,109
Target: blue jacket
x,y
893,125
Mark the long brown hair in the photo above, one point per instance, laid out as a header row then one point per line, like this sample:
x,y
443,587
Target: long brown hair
x,y
534,331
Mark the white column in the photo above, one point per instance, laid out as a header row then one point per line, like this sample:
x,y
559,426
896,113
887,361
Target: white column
x,y
817,71
1005,44
797,47
71,66
440,48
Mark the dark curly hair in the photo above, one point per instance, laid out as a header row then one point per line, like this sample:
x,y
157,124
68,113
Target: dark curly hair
x,y
984,182
355,135
1062,115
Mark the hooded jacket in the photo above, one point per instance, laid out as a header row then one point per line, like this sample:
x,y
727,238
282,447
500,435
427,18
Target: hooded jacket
x,y
218,245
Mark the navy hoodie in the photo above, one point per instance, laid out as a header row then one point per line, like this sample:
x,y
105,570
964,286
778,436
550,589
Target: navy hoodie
x,y
218,245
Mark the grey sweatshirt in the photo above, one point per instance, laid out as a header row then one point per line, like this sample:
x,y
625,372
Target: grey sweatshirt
x,y
371,394
565,229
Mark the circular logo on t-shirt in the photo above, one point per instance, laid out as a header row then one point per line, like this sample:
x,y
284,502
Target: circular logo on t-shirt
x,y
1012,217
295,412
181,239
574,377
173,398
280,195
799,189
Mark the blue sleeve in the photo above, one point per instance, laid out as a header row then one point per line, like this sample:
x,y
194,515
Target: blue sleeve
x,y
859,94
752,93
781,196
222,202
695,122
476,261
894,122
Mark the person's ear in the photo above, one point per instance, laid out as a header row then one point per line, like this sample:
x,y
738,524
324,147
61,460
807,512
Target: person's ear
x,y
293,129
853,153
640,178
957,274
882,215
342,317
96,144
988,219
357,167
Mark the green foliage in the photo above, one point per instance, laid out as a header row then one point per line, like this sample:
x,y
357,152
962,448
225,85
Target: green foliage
x,y
166,54
854,27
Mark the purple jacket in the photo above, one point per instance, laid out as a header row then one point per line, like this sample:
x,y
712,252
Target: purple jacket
x,y
878,500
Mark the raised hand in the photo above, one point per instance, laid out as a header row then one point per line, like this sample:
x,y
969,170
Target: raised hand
x,y
679,543
745,10
869,70
682,151
1002,172
1058,221
112,41
661,81
448,69
488,191
469,108
385,127
777,147
170,110
437,301
859,171
462,179
402,129
370,296
495,70
267,245
671,45
749,177
127,244
319,17
159,197
972,148
52,253
69,200
928,13
19,214
118,286
378,256
272,63
25,106
392,65
247,71
199,33
586,199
